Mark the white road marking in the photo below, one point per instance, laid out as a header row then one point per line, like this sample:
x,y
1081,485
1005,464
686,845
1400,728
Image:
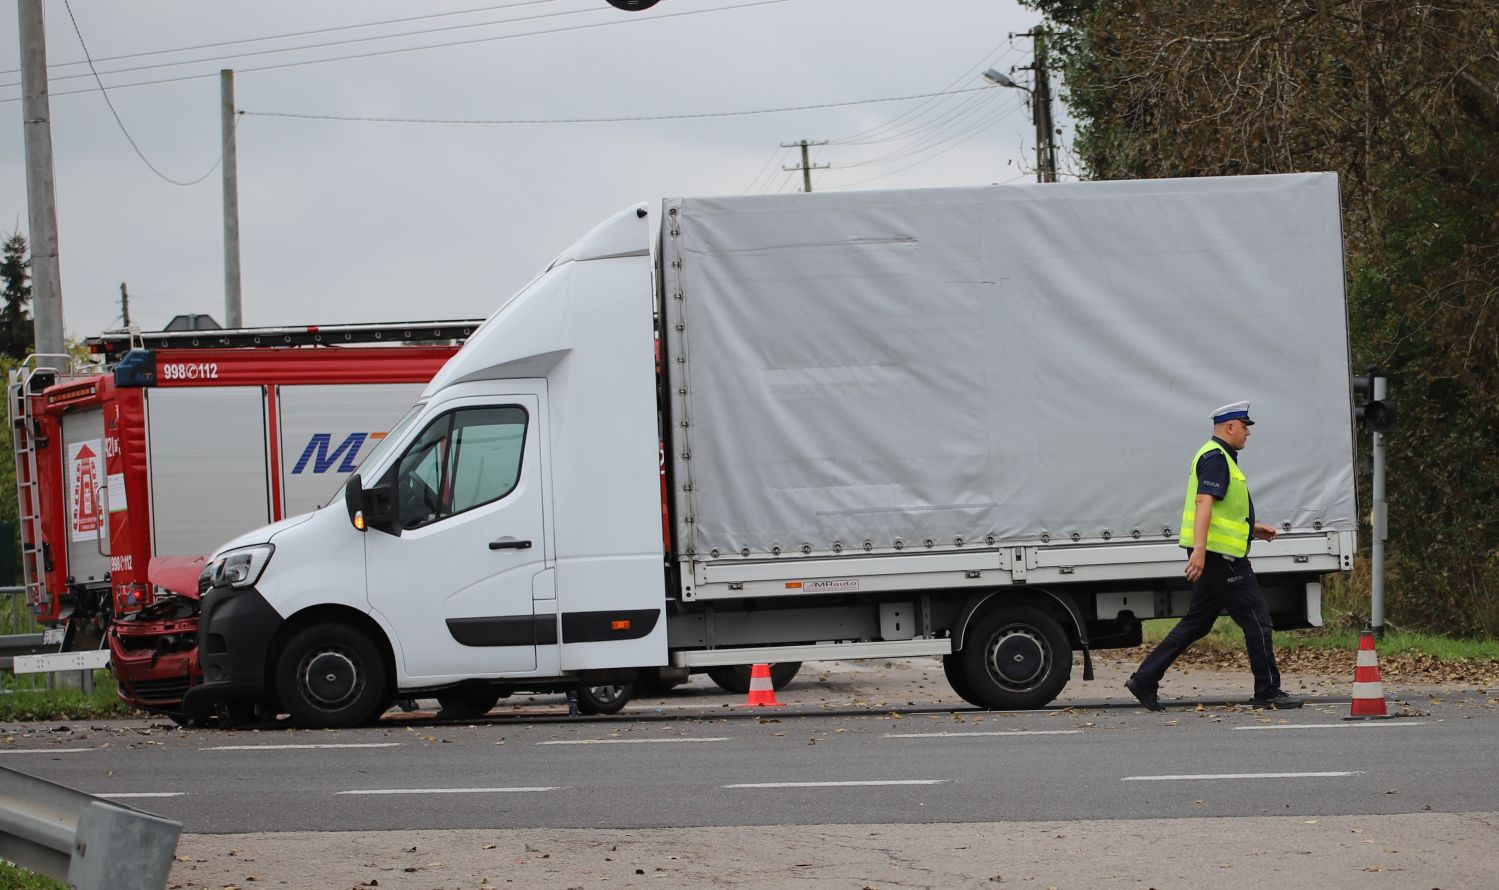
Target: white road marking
x,y
1243,776
838,784
1332,725
301,747
938,735
448,790
47,750
722,738
124,794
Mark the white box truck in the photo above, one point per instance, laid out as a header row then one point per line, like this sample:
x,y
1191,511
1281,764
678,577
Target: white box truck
x,y
952,422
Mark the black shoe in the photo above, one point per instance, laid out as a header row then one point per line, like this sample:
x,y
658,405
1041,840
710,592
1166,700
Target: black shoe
x,y
1147,697
1280,700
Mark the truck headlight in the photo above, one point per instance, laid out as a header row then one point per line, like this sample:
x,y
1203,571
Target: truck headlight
x,y
241,567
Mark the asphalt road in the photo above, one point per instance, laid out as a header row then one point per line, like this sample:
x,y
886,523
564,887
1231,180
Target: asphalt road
x,y
704,763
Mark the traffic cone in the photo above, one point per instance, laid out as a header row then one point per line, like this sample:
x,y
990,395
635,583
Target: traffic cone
x,y
1368,689
762,692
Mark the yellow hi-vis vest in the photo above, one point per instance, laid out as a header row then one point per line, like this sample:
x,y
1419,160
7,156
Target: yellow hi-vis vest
x,y
1229,531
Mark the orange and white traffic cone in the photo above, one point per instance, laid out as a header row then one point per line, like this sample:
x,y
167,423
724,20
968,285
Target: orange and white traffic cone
x,y
1368,689
762,692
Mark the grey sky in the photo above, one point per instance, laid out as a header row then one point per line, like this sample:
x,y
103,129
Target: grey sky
x,y
345,221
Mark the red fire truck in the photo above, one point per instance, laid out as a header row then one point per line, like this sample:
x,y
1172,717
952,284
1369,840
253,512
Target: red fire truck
x,y
129,473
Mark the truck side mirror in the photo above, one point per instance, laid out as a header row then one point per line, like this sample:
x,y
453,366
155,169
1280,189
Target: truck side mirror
x,y
371,507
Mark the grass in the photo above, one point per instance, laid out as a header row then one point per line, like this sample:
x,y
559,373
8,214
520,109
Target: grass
x,y
16,878
1226,636
26,698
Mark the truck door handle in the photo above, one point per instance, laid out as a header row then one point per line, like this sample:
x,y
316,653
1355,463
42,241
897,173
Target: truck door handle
x,y
509,544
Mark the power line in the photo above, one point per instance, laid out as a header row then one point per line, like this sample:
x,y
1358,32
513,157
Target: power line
x,y
331,43
121,124
399,50
992,57
595,120
977,129
183,49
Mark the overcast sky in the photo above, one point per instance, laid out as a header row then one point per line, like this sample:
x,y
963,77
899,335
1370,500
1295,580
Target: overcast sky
x,y
357,221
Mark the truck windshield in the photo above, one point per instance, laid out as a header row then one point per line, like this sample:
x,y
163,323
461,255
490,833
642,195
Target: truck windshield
x,y
378,452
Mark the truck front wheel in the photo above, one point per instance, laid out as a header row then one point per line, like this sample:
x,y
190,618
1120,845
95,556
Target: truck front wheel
x,y
1015,658
330,675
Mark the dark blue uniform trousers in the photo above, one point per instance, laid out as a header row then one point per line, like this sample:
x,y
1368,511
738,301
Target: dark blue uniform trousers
x,y
1226,582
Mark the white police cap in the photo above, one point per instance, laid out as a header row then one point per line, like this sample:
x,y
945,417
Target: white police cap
x,y
1232,411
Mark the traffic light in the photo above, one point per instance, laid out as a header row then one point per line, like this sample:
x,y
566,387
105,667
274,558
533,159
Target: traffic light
x,y
1376,415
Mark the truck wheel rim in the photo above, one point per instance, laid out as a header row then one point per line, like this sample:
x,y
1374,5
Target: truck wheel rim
x,y
331,678
1017,658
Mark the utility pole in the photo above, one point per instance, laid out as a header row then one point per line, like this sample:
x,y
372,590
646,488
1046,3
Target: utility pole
x,y
806,167
233,306
46,275
1046,149
124,304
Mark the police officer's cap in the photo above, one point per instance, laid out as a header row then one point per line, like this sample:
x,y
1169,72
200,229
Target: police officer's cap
x,y
1232,411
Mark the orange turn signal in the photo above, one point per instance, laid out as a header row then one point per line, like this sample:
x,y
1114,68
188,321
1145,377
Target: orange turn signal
x,y
619,625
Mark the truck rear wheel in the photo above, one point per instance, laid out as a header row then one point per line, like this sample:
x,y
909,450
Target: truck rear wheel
x,y
331,675
1015,658
735,678
604,699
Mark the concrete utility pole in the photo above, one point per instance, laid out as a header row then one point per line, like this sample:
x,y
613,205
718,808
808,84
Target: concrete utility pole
x,y
806,167
46,275
233,305
1046,149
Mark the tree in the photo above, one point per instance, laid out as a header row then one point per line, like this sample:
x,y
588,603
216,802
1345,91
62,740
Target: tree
x,y
16,334
1402,101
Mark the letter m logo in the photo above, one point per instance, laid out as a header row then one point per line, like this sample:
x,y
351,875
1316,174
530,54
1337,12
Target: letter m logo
x,y
322,461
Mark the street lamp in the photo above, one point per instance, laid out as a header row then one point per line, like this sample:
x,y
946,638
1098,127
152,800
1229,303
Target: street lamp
x,y
1040,102
996,76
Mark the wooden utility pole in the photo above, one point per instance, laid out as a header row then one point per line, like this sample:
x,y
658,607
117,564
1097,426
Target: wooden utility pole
x,y
124,304
233,304
806,167
36,115
1046,147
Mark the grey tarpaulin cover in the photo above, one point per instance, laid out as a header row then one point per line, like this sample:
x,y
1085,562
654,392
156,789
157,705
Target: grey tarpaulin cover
x,y
1006,361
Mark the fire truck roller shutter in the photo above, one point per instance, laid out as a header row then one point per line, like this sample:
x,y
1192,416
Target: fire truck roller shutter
x,y
83,441
327,431
209,481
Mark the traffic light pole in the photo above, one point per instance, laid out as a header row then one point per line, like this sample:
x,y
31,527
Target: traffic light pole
x,y
1378,522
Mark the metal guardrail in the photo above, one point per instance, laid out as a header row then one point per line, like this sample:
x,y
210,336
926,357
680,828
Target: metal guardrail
x,y
89,842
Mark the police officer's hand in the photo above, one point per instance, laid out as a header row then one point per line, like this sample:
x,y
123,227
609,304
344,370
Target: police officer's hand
x,y
1195,563
1265,532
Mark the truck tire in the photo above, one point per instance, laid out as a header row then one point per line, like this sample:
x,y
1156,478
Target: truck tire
x,y
604,699
331,676
467,702
1015,658
952,666
735,678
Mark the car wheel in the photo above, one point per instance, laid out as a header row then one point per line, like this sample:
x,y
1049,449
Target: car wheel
x,y
604,699
331,675
467,702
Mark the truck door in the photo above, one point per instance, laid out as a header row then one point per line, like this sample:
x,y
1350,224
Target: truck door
x,y
456,583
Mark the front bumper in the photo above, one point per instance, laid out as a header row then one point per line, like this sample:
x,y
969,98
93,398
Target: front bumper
x,y
153,655
234,637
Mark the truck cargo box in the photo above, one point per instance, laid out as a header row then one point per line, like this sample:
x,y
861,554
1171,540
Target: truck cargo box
x,y
943,370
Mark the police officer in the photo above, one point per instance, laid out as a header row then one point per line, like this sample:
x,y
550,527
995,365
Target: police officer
x,y
1216,528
